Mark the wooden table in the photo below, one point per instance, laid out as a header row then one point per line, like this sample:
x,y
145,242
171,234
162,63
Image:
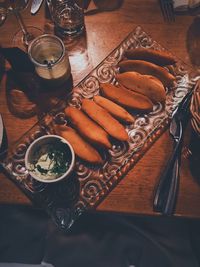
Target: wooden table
x,y
105,30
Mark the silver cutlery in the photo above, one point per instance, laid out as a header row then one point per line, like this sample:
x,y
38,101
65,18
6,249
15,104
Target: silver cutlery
x,y
167,189
35,6
176,131
167,10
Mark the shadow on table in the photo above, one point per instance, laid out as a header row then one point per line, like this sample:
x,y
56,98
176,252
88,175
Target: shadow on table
x,y
77,50
104,6
26,97
26,94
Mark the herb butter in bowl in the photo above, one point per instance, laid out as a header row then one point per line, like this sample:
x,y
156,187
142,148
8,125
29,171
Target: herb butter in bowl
x,y
50,158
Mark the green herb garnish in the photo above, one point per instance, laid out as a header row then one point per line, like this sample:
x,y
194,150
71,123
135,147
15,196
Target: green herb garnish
x,y
40,169
58,157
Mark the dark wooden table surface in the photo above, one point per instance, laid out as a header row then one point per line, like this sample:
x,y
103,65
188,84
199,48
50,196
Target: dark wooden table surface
x,y
104,31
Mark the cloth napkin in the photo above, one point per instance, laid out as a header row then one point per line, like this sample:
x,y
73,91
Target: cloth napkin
x,y
184,5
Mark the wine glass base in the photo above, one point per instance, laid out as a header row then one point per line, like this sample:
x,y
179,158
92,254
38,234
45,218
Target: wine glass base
x,y
19,40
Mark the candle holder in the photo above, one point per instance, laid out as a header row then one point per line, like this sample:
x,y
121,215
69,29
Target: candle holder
x,y
48,54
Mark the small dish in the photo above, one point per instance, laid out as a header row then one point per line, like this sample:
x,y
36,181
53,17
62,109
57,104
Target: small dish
x,y
50,159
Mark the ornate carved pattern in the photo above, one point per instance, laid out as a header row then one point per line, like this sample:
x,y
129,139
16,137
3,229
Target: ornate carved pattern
x,y
89,184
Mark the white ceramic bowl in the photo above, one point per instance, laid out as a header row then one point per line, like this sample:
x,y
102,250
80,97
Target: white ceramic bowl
x,y
35,156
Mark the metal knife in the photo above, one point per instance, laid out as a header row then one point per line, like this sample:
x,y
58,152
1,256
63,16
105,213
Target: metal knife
x,y
167,183
170,203
35,6
177,127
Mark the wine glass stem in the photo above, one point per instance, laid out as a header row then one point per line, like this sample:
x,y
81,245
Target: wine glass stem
x,y
26,34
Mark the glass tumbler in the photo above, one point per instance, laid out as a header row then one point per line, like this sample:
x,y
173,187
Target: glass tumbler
x,y
51,61
67,16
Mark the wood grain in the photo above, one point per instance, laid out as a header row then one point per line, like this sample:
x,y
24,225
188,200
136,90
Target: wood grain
x,y
104,31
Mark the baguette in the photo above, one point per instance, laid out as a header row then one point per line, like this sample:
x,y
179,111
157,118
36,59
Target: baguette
x,y
81,148
126,98
148,68
114,109
144,84
87,128
161,58
102,117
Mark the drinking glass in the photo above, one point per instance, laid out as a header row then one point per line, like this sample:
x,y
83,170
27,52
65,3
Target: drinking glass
x,y
50,58
25,35
67,16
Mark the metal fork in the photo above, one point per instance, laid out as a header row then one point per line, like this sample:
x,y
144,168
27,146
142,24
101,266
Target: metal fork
x,y
167,9
166,192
